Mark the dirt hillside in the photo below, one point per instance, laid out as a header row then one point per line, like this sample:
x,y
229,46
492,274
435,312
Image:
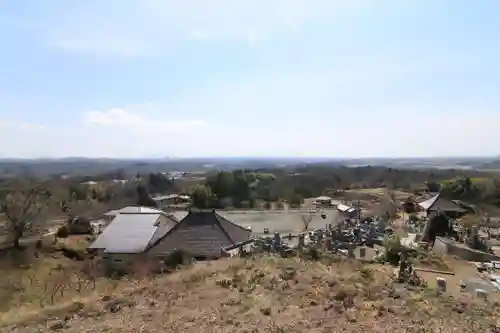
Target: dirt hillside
x,y
262,294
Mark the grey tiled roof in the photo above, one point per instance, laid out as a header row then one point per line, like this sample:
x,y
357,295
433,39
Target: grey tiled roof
x,y
429,202
203,234
438,203
132,233
134,210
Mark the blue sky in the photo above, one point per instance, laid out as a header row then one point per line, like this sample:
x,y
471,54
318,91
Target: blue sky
x,y
347,78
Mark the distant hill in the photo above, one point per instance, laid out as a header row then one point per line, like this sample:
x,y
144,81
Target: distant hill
x,y
490,165
92,166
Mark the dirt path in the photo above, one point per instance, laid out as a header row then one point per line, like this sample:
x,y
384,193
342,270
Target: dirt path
x,y
463,270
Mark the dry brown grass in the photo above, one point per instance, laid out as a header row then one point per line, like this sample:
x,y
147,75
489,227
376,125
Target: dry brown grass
x,y
261,294
44,282
430,259
75,242
40,278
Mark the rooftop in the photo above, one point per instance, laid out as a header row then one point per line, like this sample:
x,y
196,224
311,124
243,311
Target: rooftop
x,y
134,210
165,197
132,233
436,202
345,208
203,233
171,196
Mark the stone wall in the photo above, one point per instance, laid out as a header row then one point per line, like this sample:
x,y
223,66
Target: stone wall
x,y
118,262
123,263
446,246
140,263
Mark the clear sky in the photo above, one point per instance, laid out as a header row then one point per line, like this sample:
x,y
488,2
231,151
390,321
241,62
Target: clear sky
x,y
156,78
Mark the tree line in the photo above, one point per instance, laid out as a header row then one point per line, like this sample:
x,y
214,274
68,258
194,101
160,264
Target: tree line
x,y
248,188
24,202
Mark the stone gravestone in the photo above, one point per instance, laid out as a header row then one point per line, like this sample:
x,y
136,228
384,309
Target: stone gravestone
x,y
403,267
481,293
372,235
277,241
330,245
325,243
350,251
241,251
301,240
441,284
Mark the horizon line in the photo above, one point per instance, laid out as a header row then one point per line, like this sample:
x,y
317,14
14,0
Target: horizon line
x,y
252,157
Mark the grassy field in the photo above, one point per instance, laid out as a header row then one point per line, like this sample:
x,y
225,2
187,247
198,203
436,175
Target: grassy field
x,y
260,294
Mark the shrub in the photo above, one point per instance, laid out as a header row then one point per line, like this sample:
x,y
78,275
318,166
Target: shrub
x,y
392,245
63,232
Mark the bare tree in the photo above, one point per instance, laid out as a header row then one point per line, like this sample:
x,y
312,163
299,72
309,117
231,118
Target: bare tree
x,y
471,220
90,202
23,210
307,219
89,207
387,207
486,226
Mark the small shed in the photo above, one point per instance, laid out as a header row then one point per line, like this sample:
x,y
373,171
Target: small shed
x,y
347,211
171,199
323,201
202,234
